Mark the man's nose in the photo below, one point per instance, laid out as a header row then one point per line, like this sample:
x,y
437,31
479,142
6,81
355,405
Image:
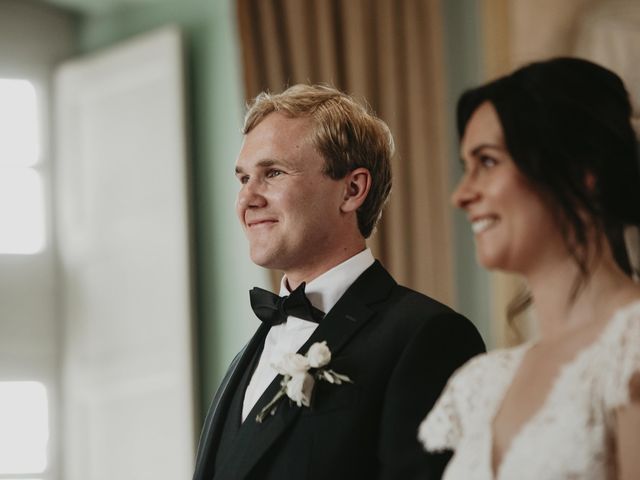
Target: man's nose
x,y
251,195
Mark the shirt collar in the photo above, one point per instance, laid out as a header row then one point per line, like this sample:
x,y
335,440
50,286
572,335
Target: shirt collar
x,y
324,291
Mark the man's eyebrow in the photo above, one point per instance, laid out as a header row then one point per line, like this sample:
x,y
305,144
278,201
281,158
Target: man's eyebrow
x,y
266,163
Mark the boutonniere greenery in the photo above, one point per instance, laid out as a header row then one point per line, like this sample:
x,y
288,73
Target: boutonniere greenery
x,y
299,375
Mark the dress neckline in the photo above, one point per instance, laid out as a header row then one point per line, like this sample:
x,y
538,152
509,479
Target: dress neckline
x,y
518,354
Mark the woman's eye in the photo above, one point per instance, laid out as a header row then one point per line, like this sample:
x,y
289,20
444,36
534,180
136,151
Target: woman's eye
x,y
487,161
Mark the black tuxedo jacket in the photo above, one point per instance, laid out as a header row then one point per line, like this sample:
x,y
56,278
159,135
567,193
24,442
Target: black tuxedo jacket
x,y
398,346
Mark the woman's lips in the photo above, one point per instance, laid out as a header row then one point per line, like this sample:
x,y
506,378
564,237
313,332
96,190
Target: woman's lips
x,y
482,224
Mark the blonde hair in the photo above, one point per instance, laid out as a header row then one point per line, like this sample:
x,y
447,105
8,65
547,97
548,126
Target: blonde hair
x,y
345,133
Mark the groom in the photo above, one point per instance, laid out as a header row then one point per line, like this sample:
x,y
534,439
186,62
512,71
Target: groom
x,y
314,173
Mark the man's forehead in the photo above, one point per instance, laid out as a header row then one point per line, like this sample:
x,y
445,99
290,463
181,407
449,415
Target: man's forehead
x,y
277,139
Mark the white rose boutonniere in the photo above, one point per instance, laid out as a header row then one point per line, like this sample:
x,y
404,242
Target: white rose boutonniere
x,y
319,355
292,364
299,389
299,375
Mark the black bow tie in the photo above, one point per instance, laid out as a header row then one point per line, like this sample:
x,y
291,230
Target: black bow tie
x,y
273,309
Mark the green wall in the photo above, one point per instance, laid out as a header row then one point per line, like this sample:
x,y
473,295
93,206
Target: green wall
x,y
463,56
224,272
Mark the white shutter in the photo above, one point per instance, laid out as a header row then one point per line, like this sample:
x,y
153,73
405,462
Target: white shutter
x,y
123,235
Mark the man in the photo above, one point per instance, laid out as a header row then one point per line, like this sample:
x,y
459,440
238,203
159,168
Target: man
x,y
314,171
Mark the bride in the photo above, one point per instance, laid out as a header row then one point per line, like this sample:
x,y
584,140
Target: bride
x,y
551,182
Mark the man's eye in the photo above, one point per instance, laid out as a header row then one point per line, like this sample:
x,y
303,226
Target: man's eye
x,y
274,173
243,179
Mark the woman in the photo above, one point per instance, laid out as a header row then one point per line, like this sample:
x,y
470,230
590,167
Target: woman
x,y
551,180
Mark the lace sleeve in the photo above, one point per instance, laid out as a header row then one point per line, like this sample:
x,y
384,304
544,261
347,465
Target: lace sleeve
x,y
442,428
624,375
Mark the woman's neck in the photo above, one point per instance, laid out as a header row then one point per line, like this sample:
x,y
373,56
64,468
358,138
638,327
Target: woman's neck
x,y
559,309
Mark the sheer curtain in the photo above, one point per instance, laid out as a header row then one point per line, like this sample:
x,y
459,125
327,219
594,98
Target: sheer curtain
x,y
388,53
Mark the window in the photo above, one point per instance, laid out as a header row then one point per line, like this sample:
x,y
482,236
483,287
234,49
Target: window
x,y
24,429
21,193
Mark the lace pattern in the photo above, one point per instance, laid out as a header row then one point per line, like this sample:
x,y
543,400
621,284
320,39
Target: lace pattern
x,y
573,432
442,430
625,362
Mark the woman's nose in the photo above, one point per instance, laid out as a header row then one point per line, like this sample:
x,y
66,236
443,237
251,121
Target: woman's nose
x,y
465,193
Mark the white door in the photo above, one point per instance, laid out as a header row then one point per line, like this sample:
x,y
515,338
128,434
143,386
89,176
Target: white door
x,y
123,235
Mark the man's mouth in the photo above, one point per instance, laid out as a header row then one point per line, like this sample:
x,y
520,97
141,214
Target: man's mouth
x,y
261,223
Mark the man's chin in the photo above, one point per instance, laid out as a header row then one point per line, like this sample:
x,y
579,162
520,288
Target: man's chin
x,y
265,261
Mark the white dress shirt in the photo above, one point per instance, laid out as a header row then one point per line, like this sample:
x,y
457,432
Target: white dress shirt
x,y
323,293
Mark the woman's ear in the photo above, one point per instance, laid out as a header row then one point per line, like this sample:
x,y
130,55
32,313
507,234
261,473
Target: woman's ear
x,y
590,181
357,186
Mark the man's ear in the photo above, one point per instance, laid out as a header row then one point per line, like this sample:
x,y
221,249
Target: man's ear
x,y
357,185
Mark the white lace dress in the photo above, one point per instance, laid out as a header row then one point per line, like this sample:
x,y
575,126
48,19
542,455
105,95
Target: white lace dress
x,y
572,436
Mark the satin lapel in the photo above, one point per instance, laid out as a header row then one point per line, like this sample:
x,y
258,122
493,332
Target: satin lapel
x,y
349,315
214,422
353,310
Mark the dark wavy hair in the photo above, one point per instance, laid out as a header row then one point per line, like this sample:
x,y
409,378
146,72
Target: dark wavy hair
x,y
566,120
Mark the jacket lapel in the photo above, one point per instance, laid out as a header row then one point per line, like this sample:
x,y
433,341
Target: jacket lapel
x,y
212,429
353,310
349,315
